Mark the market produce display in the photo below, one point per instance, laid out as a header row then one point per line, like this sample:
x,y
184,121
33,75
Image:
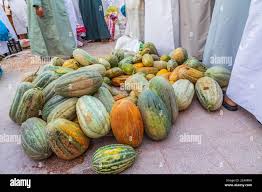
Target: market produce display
x,y
66,103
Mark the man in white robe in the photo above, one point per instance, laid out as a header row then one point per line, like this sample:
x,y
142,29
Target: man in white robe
x,y
162,24
245,85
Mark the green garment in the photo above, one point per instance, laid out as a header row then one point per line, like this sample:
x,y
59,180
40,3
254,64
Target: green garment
x,y
52,34
93,18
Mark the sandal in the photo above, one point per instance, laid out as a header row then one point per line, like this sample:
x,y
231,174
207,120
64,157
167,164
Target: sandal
x,y
229,104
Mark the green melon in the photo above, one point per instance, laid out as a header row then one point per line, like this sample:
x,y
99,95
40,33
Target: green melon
x,y
151,47
30,105
184,91
104,95
171,65
93,117
113,159
209,93
83,57
51,104
78,83
220,74
45,78
65,110
155,115
166,92
196,64
34,139
113,60
95,67
22,88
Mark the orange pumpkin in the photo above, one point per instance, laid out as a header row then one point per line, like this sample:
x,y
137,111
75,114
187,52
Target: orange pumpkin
x,y
127,124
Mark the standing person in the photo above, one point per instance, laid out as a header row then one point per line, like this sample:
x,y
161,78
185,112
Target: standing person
x,y
18,8
72,16
226,30
94,21
3,44
111,20
77,11
135,13
50,31
162,24
195,19
245,83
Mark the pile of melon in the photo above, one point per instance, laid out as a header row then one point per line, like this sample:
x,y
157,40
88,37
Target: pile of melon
x,y
65,104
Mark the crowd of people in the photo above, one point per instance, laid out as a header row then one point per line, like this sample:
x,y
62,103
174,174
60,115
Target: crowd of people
x,y
217,32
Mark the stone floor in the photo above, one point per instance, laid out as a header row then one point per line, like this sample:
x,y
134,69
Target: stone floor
x,y
200,142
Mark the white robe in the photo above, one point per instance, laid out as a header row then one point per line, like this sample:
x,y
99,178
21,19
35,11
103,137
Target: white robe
x,y
245,84
77,12
135,12
72,16
195,19
19,15
162,24
4,19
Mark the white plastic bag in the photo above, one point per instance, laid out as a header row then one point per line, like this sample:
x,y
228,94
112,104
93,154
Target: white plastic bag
x,y
128,44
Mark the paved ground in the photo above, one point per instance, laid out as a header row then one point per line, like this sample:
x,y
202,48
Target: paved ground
x,y
221,142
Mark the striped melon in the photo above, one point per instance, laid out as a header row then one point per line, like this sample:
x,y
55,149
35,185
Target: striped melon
x,y
196,64
34,139
52,104
95,67
209,93
65,110
93,117
66,139
104,62
83,57
22,88
104,95
184,91
45,78
113,159
49,90
220,74
113,60
78,83
155,115
30,105
165,91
